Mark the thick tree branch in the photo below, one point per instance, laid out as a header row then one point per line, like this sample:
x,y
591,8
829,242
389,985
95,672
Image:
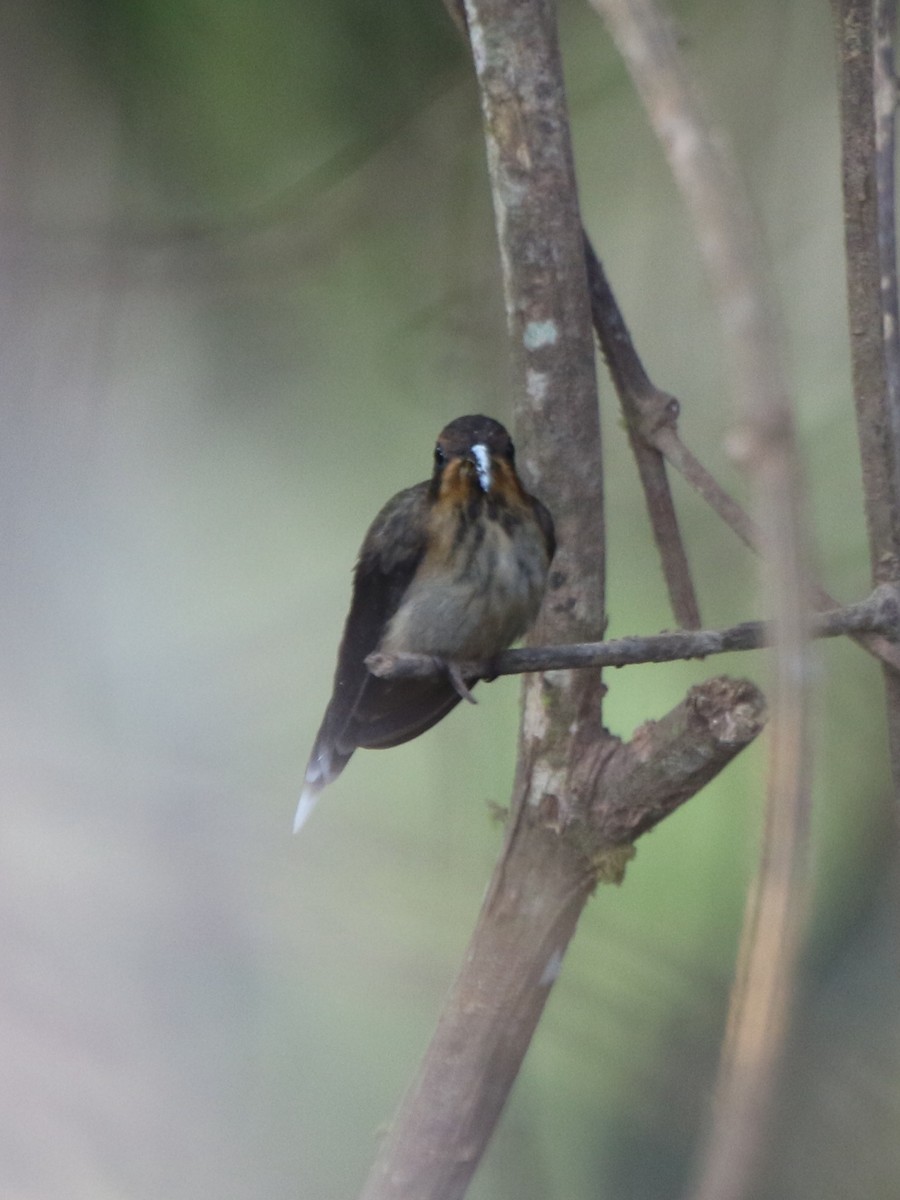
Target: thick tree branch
x,y
880,614
877,425
527,920
543,877
885,101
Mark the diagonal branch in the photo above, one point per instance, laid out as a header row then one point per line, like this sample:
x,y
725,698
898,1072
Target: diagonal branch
x,y
666,531
643,407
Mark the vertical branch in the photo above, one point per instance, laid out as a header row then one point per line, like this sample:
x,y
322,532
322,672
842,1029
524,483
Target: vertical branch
x,y
731,247
546,872
539,230
666,531
885,98
864,251
870,245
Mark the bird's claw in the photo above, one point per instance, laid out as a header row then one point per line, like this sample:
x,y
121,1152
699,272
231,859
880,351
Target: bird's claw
x,y
455,676
491,672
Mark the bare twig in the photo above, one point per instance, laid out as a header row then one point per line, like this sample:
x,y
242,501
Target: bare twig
x,y
652,414
666,532
880,613
653,417
681,458
643,406
738,520
727,235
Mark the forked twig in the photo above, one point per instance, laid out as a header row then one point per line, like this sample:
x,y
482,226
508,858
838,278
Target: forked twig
x,y
652,417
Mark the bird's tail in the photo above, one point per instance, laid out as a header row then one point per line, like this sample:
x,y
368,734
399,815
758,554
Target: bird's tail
x,y
308,798
325,764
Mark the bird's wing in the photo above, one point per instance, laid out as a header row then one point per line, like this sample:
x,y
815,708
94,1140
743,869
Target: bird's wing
x,y
364,710
390,554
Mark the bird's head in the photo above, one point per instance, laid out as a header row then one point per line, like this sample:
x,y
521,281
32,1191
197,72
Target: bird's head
x,y
474,457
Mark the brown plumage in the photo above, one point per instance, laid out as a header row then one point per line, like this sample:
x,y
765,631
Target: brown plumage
x,y
454,567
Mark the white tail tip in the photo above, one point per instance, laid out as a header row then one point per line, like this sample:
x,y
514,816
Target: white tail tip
x,y
308,798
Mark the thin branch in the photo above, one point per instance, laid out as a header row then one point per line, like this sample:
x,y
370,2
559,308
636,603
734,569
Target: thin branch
x,y
653,419
738,520
726,230
669,443
641,402
879,613
666,532
651,413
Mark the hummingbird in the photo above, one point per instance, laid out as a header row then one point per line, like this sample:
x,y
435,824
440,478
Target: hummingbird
x,y
455,568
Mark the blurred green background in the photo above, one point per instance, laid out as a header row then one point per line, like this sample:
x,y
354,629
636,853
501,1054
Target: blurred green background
x,y
249,271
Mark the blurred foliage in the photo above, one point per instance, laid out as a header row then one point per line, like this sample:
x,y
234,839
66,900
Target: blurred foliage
x,y
249,272
229,99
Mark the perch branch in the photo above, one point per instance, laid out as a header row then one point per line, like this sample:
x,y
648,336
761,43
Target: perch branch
x,y
879,613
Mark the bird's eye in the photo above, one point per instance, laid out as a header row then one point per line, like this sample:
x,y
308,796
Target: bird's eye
x,y
510,451
439,457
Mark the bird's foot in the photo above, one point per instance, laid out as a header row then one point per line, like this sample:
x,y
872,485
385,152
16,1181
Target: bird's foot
x,y
491,671
455,676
